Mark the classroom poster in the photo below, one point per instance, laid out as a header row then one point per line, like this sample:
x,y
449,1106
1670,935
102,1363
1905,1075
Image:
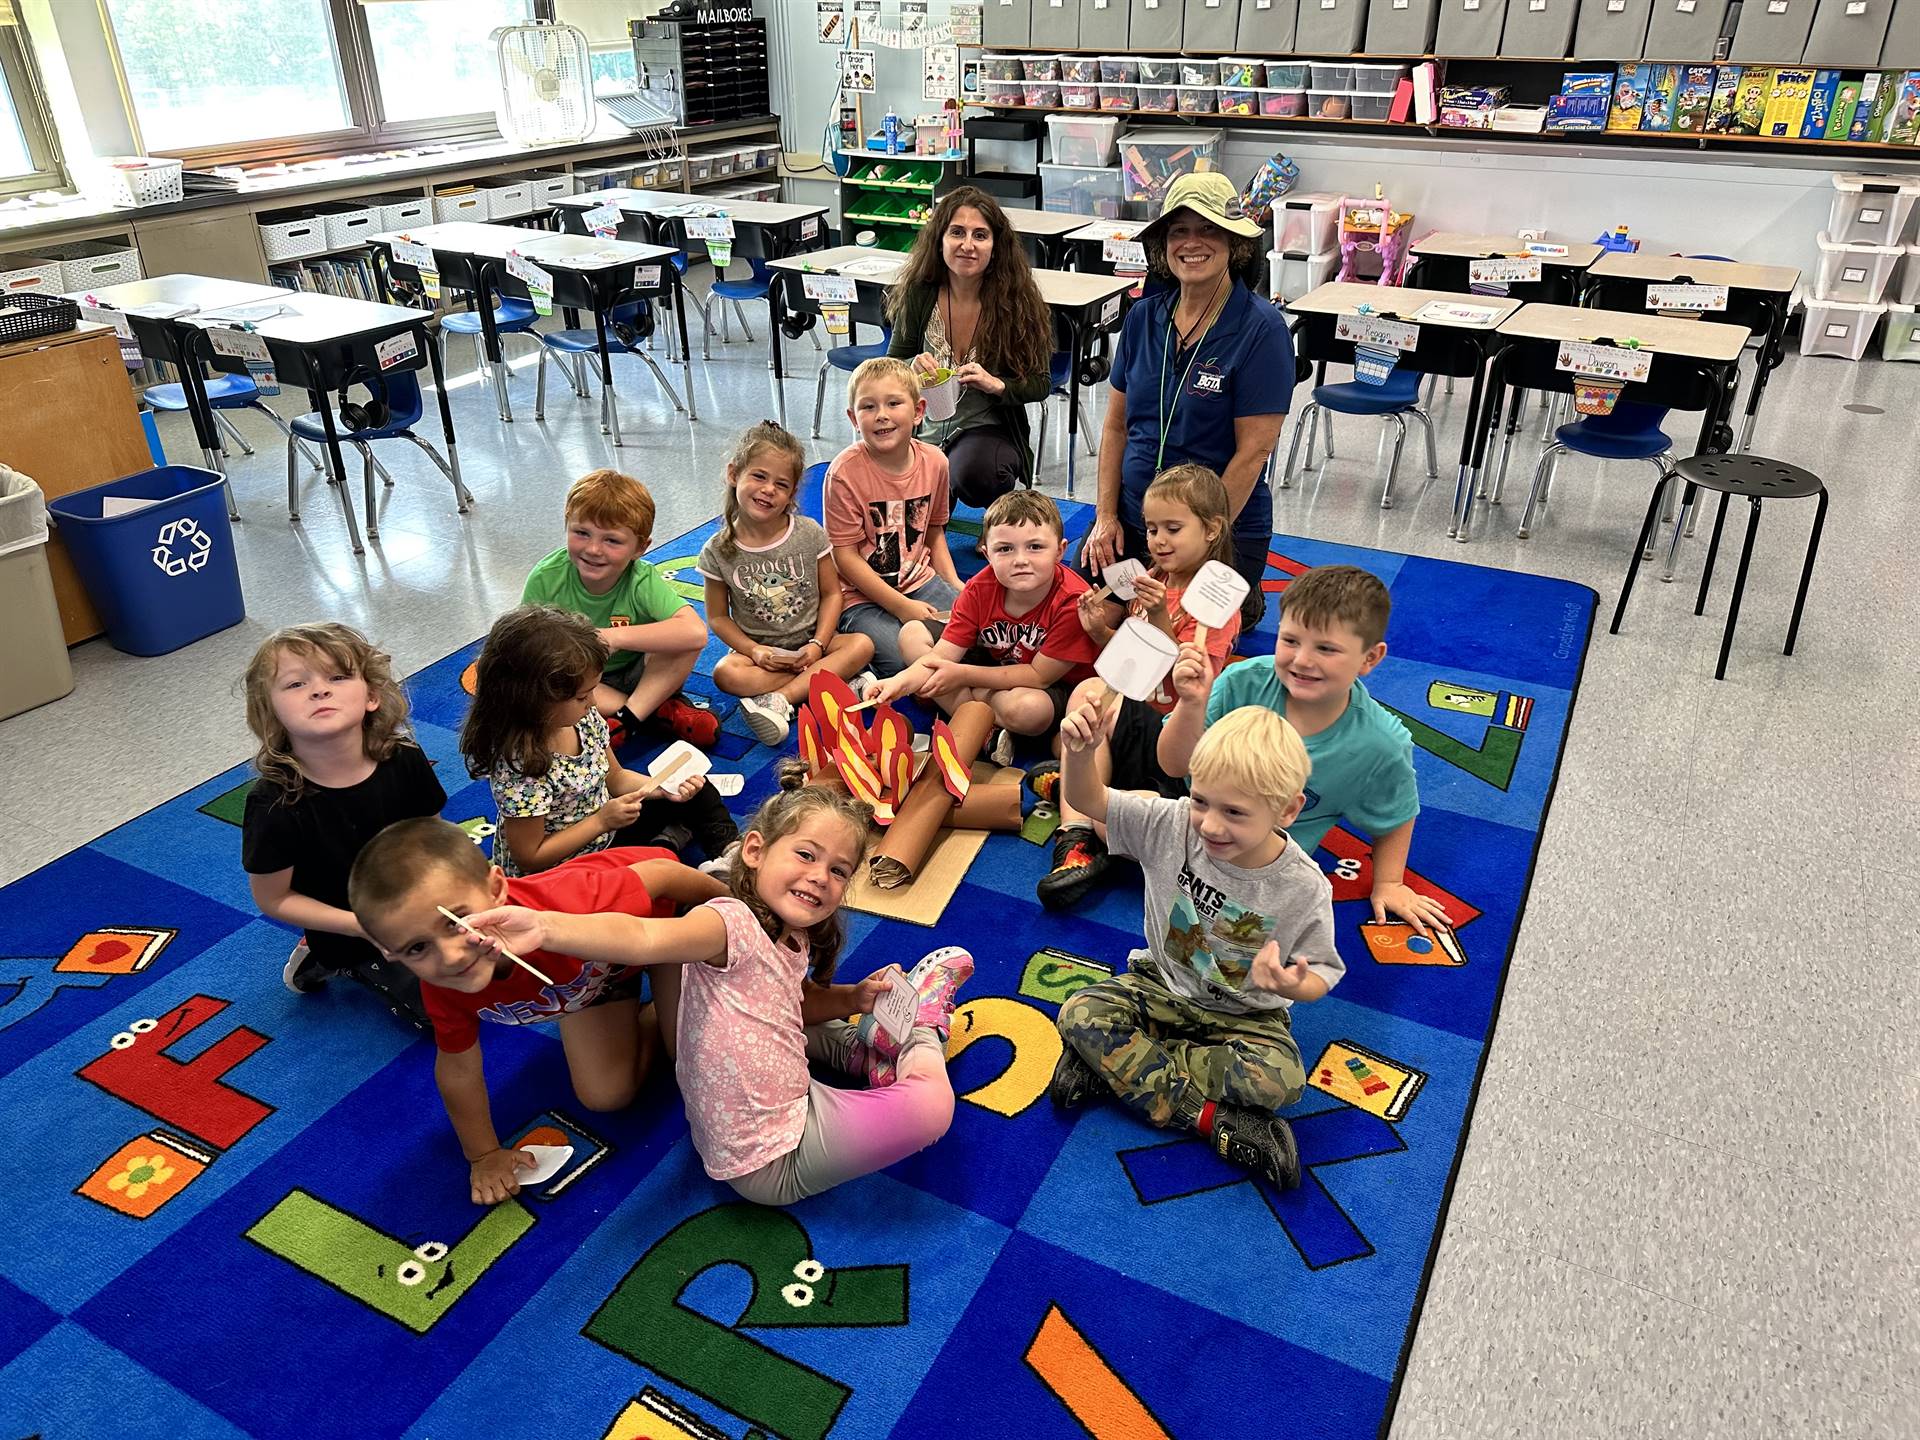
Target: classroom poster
x,y
830,21
940,74
856,72
913,19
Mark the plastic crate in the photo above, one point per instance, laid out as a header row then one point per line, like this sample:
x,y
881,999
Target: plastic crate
x,y
1158,71
1087,140
470,206
1906,285
1079,97
1002,68
1902,338
30,275
1373,107
1040,67
349,223
1156,99
1237,100
95,264
29,317
1081,190
401,212
1332,77
1871,209
1119,69
1375,79
672,174
1305,224
291,234
1004,92
506,202
142,180
1280,103
549,186
1288,75
1150,160
1041,94
1080,69
1247,74
1839,327
1330,104
1854,272
1199,100
1119,98
698,168
1291,276
1199,71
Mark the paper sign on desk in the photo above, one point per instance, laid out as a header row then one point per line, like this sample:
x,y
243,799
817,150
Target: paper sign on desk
x,y
1367,330
539,282
830,289
122,329
394,349
1457,312
245,345
161,310
1604,362
810,228
646,277
1124,254
409,252
1503,272
603,220
1541,247
709,227
1691,298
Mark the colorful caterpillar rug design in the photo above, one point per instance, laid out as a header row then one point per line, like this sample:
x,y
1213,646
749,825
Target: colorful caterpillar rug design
x,y
234,1211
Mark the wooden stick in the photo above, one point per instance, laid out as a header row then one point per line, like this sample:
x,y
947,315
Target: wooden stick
x,y
503,949
1200,635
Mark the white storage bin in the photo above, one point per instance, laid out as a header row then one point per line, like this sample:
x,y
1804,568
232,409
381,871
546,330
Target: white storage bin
x,y
470,206
291,234
1291,276
30,275
1871,209
400,212
505,202
1087,140
94,264
1330,76
1080,190
349,223
1854,272
1375,79
699,167
671,173
143,180
1305,224
1839,327
1906,285
549,186
1902,340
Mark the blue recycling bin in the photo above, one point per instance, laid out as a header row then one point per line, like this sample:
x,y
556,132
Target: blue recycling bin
x,y
163,575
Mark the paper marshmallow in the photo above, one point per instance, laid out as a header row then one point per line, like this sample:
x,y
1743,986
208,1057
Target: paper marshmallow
x,y
1120,575
1213,598
677,764
1137,659
547,1160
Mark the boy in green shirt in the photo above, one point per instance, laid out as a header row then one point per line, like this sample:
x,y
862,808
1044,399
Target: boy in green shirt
x,y
656,637
1333,625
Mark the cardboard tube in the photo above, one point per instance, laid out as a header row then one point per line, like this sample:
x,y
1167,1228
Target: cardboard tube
x,y
992,804
928,805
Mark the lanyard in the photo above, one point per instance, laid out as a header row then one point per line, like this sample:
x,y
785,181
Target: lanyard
x,y
1160,456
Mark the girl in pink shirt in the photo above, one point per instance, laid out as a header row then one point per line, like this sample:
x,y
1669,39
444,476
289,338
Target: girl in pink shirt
x,y
754,1004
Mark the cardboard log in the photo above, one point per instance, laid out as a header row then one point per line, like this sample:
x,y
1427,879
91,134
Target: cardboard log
x,y
928,805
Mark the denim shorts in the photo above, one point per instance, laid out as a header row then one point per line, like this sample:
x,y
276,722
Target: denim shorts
x,y
878,626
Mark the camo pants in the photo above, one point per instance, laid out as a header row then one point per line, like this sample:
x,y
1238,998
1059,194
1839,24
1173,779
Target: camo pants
x,y
1167,1056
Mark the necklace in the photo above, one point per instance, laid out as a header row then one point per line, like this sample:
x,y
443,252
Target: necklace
x,y
1206,319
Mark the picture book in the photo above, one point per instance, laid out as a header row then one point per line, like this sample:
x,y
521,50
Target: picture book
x,y
1787,102
1750,100
1629,97
1586,82
1903,118
1846,100
1886,86
1663,84
1720,111
1826,86
1577,112
1693,99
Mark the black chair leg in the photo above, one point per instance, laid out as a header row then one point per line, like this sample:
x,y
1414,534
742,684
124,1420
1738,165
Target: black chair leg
x,y
1739,586
1633,565
1806,572
1713,549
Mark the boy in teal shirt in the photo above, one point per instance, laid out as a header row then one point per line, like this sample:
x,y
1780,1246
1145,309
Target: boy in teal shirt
x,y
1333,625
654,635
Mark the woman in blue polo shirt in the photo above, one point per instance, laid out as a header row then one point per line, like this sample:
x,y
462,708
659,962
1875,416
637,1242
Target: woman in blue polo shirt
x,y
1203,373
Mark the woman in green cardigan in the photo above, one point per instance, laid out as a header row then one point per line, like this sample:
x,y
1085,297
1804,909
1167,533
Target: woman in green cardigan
x,y
967,302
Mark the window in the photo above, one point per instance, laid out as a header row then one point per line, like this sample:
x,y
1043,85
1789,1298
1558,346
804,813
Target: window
x,y
29,159
434,58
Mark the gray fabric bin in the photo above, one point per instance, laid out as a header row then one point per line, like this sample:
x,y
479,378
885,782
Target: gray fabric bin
x,y
1211,25
1842,41
1266,27
1156,27
1330,27
1056,25
1539,29
1470,27
1681,34
1104,25
1007,24
1401,27
1772,32
1902,50
1613,30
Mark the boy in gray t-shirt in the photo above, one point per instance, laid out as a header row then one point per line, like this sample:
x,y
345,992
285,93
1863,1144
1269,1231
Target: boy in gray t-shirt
x,y
1239,925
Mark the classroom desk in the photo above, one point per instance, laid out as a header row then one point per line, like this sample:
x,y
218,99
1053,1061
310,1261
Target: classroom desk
x,y
326,342
162,312
1448,344
1759,297
1693,361
1088,305
1048,230
589,272
1088,243
1443,261
784,226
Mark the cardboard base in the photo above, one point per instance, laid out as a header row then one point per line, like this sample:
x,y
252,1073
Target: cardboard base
x,y
923,900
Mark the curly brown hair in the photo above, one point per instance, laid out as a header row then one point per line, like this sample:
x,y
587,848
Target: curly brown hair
x,y
347,652
1015,335
782,814
1243,253
534,657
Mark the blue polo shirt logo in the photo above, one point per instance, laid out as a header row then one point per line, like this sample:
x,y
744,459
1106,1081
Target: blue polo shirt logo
x,y
1207,380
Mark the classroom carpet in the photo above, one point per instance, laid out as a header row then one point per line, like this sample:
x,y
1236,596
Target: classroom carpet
x,y
237,1211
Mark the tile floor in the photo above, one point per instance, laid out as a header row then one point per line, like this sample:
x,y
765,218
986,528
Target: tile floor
x,y
1679,1211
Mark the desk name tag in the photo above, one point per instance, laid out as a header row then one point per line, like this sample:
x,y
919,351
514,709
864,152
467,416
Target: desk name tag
x,y
1495,272
1604,362
408,252
538,281
1454,312
709,227
646,277
1365,330
1126,254
830,289
122,326
1110,311
239,344
810,228
603,220
1692,298
1541,247
394,349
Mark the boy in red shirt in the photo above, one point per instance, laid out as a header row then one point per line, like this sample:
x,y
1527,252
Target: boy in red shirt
x,y
410,869
1016,639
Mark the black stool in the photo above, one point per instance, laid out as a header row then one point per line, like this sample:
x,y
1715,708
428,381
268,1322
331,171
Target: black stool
x,y
1757,478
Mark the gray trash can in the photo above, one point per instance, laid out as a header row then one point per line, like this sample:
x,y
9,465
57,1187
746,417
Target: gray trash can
x,y
33,652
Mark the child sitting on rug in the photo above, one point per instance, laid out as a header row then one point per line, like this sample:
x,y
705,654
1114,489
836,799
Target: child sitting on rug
x,y
1016,639
754,1005
1189,522
535,734
887,507
1333,624
337,764
773,592
655,637
1239,925
403,877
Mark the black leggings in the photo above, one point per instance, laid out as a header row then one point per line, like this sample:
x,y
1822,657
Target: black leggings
x,y
705,818
983,464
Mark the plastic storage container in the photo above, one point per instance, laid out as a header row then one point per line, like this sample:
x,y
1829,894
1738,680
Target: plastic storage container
x,y
1119,70
1199,72
92,264
1198,100
1305,224
1159,72
1331,77
1079,97
1237,100
1002,67
1281,103
1041,94
1906,284
1371,107
1004,92
1330,104
1080,69
1839,327
162,576
350,223
292,234
1082,140
398,212
1081,190
1291,276
1118,97
1376,79
1871,209
1150,160
1854,272
1248,74
1156,99
469,206
1901,342
1040,67
1288,74
33,652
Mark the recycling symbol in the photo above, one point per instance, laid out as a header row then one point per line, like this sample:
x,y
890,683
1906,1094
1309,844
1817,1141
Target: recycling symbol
x,y
181,546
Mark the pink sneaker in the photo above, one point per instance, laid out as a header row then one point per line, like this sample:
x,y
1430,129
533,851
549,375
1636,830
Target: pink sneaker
x,y
936,979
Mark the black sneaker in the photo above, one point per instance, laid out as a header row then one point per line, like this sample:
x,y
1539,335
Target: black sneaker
x,y
303,974
1044,781
1079,861
675,837
1074,1081
1260,1141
